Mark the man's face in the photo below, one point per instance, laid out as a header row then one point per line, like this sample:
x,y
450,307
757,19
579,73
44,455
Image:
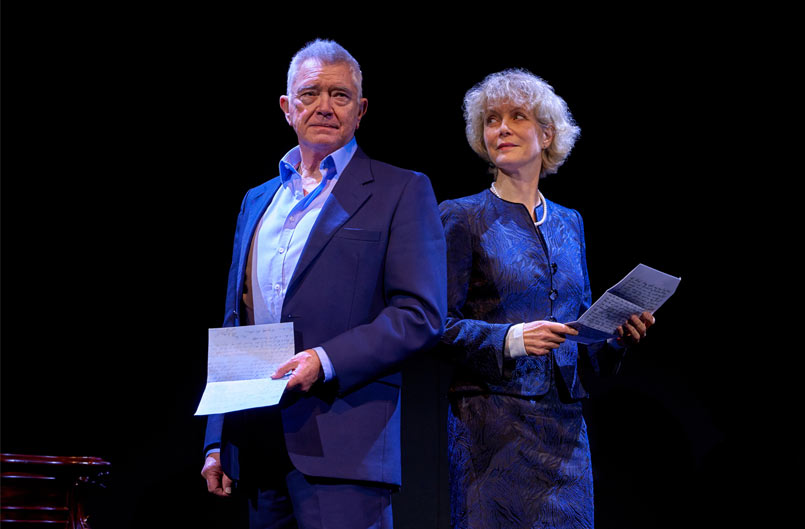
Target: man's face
x,y
323,107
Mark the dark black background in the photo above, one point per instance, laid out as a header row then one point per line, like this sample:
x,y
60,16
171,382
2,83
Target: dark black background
x,y
130,135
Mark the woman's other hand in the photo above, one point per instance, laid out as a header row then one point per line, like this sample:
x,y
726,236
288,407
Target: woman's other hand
x,y
634,329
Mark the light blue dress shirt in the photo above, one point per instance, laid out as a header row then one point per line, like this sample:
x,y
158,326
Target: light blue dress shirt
x,y
282,232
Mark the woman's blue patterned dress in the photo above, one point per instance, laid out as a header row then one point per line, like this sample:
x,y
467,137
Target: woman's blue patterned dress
x,y
519,455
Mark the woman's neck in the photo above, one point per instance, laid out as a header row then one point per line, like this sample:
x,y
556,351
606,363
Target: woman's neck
x,y
520,189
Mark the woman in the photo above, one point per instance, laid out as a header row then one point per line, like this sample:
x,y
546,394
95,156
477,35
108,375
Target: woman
x,y
519,455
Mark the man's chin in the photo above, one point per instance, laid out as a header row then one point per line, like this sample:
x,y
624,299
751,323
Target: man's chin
x,y
323,143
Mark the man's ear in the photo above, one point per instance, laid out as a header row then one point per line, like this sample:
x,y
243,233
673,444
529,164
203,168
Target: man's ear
x,y
363,104
285,105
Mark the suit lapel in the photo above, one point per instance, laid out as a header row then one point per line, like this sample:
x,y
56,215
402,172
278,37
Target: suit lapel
x,y
256,210
347,196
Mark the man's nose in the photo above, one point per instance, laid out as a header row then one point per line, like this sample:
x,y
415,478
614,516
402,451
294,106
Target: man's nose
x,y
325,105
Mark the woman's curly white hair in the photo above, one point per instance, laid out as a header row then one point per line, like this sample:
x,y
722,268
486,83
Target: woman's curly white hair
x,y
524,89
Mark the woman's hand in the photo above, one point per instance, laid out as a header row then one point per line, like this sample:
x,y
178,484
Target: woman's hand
x,y
635,328
541,337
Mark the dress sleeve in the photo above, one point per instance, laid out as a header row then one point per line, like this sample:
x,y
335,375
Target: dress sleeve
x,y
472,344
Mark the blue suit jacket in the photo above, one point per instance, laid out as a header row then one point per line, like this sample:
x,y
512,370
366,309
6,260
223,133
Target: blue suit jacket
x,y
370,289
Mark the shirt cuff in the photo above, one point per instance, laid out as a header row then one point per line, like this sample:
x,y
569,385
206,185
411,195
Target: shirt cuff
x,y
212,451
515,345
326,365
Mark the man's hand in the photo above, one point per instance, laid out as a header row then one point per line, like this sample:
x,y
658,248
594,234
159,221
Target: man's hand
x,y
306,368
635,328
540,337
217,482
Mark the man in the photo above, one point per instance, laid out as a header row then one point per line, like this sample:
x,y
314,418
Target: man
x,y
352,252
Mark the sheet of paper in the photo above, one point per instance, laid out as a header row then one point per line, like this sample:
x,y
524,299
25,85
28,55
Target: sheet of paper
x,y
643,289
240,362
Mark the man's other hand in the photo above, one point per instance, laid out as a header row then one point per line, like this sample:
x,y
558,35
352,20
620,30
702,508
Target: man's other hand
x,y
218,483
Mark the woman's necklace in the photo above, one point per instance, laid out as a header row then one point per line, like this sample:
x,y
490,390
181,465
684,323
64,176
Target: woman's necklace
x,y
541,201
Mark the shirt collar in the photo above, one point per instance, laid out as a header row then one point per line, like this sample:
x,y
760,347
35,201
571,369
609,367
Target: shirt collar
x,y
331,167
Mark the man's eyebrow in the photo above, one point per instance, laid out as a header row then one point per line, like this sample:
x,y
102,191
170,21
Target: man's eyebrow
x,y
341,88
307,87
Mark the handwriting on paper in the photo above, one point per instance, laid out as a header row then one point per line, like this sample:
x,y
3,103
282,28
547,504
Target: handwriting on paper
x,y
643,289
240,362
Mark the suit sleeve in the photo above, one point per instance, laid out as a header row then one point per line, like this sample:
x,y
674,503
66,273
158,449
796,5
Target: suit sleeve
x,y
474,344
215,423
414,291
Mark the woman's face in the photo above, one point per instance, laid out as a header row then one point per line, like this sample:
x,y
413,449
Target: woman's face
x,y
514,139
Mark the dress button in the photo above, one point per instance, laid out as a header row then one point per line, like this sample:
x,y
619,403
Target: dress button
x,y
552,318
554,267
553,295
281,250
277,287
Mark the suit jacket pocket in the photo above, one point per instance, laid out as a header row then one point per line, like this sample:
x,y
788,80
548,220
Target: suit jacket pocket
x,y
358,234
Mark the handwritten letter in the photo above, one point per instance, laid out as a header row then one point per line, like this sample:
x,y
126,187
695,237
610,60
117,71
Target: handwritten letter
x,y
240,363
643,289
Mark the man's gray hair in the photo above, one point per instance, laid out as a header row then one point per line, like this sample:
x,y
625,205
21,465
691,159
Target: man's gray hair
x,y
326,52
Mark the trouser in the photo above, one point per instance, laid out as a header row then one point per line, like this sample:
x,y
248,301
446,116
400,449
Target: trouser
x,y
278,496
311,503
